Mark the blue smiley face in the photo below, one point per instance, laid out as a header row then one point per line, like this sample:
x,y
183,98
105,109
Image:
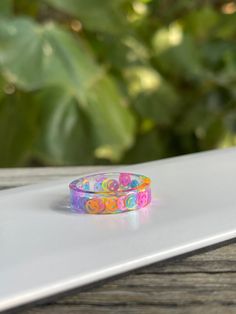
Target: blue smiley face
x,y
131,201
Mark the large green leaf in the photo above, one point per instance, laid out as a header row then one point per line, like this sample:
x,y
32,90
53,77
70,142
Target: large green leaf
x,y
64,130
113,124
33,56
18,129
96,15
5,7
51,56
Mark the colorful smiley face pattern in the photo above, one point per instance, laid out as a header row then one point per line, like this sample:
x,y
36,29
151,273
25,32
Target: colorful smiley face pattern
x,y
123,195
98,205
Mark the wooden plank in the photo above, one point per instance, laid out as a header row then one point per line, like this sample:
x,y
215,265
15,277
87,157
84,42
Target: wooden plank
x,y
204,282
137,309
200,283
12,177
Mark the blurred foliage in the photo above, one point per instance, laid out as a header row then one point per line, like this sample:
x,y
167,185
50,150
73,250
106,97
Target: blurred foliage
x,y
121,81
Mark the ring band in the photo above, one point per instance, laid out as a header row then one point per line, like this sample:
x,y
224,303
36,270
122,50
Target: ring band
x,y
108,193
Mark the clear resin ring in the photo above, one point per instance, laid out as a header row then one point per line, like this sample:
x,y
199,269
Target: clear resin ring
x,y
109,193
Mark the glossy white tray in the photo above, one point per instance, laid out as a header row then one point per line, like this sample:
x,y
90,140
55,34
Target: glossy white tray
x,y
46,249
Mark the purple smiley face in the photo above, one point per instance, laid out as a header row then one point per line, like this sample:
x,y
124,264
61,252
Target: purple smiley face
x,y
112,185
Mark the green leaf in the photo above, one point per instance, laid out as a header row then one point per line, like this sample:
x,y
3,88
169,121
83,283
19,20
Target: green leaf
x,y
48,55
2,86
226,28
181,60
201,23
216,53
5,7
149,146
53,57
64,130
153,96
121,53
96,15
18,128
214,133
159,106
113,124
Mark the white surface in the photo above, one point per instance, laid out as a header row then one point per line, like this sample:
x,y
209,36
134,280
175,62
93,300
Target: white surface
x,y
45,249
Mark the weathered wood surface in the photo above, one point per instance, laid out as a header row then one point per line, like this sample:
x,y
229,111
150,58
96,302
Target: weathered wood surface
x,y
203,282
22,176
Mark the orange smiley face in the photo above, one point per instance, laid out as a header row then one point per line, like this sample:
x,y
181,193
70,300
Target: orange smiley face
x,y
110,204
94,206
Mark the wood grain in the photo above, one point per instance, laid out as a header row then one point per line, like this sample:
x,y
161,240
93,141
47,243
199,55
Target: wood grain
x,y
203,282
22,176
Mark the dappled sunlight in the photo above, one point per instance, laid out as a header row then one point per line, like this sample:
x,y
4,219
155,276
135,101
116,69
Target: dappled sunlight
x,y
142,79
168,37
229,8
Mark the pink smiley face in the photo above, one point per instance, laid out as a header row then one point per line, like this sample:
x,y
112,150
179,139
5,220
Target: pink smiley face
x,y
142,198
121,203
124,179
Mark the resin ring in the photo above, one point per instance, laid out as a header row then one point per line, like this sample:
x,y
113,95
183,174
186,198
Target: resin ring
x,y
109,193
